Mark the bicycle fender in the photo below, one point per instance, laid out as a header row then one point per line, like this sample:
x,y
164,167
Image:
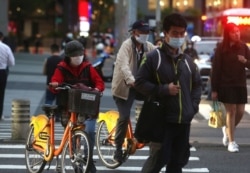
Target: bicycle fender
x,y
49,153
110,118
41,130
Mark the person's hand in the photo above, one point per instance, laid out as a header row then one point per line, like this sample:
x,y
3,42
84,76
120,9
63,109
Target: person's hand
x,y
53,84
131,84
214,95
242,59
173,89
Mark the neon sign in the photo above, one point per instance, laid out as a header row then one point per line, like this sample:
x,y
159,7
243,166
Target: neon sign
x,y
239,20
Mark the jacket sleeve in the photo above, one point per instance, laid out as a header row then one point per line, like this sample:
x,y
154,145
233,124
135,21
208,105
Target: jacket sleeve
x,y
247,56
216,69
122,63
96,79
144,79
57,77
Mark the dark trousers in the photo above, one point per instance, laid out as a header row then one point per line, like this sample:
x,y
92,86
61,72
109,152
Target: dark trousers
x,y
174,152
3,81
49,97
124,108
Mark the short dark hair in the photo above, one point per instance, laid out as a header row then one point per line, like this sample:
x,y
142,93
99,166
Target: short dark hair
x,y
54,48
174,19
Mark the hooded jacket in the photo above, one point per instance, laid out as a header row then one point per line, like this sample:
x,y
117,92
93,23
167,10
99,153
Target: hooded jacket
x,y
182,107
126,66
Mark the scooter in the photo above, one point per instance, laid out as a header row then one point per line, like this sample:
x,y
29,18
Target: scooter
x,y
99,64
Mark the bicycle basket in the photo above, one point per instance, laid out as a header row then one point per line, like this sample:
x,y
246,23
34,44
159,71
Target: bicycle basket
x,y
84,102
62,98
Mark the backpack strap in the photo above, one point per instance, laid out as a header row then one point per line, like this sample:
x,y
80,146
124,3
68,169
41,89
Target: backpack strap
x,y
159,59
158,65
191,69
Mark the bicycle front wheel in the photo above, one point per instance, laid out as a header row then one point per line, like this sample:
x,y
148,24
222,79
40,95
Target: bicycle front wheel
x,y
105,146
35,162
81,154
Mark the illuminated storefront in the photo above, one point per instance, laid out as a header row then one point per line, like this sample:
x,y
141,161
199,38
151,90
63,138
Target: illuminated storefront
x,y
240,16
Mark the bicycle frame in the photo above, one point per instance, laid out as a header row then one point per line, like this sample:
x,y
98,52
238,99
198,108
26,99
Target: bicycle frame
x,y
110,118
49,150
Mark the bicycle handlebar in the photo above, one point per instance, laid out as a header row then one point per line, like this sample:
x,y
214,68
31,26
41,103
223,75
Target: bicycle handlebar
x,y
64,86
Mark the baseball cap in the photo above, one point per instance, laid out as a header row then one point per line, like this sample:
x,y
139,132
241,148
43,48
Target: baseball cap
x,y
73,48
140,25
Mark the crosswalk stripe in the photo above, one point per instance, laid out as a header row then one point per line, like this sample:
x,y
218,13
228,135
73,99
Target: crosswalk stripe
x,y
5,133
103,168
96,157
22,146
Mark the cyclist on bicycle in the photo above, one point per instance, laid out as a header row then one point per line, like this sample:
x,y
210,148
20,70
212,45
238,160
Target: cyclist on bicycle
x,y
76,70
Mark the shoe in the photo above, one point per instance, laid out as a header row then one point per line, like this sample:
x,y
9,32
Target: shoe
x,y
224,138
233,147
118,157
92,167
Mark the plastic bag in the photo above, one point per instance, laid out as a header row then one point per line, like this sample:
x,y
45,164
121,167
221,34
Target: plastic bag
x,y
217,117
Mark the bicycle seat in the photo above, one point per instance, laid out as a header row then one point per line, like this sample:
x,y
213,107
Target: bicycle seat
x,y
48,107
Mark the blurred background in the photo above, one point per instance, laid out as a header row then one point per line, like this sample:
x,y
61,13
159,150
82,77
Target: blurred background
x,y
32,26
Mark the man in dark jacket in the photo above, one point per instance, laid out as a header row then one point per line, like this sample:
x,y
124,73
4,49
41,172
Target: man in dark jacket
x,y
49,67
179,93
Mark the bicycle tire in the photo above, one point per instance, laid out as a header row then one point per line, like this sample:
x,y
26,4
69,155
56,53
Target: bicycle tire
x,y
82,154
105,149
35,162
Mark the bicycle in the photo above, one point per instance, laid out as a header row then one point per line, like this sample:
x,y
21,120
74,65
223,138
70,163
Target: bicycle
x,y
105,139
74,146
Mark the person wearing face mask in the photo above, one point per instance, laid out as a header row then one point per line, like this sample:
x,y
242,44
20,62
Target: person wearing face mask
x,y
178,91
127,63
77,71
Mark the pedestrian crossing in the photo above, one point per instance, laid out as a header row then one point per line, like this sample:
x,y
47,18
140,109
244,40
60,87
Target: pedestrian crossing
x,y
15,151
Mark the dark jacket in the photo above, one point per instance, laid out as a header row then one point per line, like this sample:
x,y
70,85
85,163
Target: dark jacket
x,y
228,71
182,107
50,66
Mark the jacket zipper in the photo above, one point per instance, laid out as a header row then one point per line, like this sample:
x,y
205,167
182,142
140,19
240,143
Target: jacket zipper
x,y
179,94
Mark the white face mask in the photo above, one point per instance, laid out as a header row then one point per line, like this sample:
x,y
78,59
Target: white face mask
x,y
142,38
176,42
75,61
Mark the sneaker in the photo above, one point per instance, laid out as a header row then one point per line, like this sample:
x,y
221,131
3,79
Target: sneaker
x,y
224,138
233,147
118,156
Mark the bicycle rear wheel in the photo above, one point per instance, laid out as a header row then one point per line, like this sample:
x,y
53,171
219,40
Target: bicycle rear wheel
x,y
81,154
105,148
35,162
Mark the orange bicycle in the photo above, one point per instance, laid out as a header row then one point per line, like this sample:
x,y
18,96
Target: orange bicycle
x,y
105,139
74,146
